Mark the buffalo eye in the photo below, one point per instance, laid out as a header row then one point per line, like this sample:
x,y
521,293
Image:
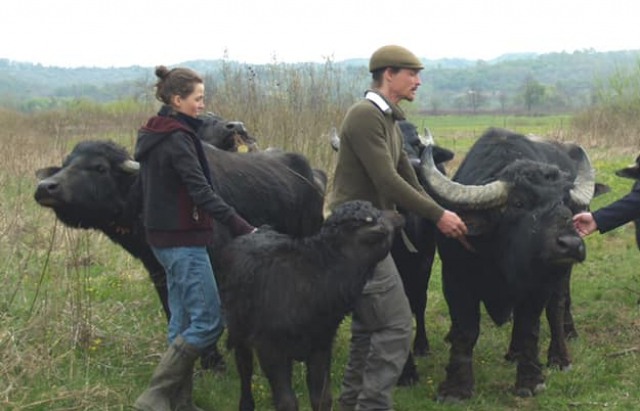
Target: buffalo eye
x,y
100,168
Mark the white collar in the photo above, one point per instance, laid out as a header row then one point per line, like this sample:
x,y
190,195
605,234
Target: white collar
x,y
378,101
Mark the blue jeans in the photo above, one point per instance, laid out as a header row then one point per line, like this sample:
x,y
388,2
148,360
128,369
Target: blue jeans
x,y
193,295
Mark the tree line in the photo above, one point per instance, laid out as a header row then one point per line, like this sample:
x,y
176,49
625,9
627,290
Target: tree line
x,y
511,84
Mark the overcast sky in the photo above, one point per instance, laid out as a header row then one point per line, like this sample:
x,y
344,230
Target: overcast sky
x,y
115,33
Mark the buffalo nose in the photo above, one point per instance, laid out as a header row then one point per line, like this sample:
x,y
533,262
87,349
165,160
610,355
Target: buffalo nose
x,y
572,246
46,189
48,186
237,126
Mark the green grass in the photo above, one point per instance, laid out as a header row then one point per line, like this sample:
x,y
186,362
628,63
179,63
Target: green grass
x,y
81,327
459,132
474,126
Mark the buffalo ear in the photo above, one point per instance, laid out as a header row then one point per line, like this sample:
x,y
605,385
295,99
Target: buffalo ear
x,y
43,173
442,155
629,172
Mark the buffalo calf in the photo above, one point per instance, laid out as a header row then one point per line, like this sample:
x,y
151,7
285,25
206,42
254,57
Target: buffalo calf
x,y
284,298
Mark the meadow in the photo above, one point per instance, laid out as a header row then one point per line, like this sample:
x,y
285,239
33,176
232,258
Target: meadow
x,y
82,329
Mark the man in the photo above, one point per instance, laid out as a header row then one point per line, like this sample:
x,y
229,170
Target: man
x,y
373,166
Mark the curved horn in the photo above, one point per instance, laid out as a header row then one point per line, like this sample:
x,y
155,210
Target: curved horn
x,y
130,166
427,138
460,196
585,183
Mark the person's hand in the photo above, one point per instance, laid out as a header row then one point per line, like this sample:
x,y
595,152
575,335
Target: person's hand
x,y
239,226
451,225
584,223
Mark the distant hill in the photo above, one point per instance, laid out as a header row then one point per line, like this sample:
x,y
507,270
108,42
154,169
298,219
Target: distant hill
x,y
567,80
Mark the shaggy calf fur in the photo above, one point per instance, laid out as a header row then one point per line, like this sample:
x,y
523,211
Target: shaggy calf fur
x,y
285,297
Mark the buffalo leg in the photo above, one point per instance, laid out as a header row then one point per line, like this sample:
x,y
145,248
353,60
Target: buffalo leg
x,y
419,304
244,364
409,374
212,359
464,311
513,353
570,331
421,346
526,332
459,383
278,369
558,353
560,322
318,380
158,278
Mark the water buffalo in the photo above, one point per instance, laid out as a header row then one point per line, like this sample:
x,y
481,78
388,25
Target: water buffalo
x,y
225,134
517,195
95,189
285,298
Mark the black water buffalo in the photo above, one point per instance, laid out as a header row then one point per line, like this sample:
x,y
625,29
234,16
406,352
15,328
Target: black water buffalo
x,y
227,135
517,196
94,187
285,298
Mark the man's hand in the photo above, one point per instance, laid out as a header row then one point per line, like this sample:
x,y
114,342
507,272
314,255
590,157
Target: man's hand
x,y
451,225
584,224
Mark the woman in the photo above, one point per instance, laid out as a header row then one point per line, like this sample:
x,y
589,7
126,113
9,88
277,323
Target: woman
x,y
179,203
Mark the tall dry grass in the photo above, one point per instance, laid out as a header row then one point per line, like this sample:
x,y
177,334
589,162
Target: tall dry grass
x,y
70,303
614,118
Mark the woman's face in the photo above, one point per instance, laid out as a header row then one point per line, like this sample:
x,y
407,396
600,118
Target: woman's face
x,y
193,104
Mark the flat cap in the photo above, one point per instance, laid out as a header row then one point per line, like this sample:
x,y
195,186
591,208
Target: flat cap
x,y
393,56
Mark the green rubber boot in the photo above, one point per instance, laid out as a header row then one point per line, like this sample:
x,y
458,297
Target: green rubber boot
x,y
168,378
184,397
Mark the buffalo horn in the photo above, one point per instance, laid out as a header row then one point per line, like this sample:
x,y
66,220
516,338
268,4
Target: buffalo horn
x,y
460,196
130,166
585,182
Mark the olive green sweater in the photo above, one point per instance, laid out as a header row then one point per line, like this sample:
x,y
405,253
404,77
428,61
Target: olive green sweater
x,y
372,165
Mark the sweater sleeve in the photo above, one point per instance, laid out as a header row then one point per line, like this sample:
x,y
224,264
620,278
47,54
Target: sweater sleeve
x,y
185,161
619,212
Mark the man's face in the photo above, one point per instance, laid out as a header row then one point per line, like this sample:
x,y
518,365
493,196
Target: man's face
x,y
404,84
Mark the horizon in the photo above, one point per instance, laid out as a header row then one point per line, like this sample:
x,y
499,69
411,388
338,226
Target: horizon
x,y
175,64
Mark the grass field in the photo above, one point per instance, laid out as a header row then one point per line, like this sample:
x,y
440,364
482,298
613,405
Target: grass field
x,y
81,327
